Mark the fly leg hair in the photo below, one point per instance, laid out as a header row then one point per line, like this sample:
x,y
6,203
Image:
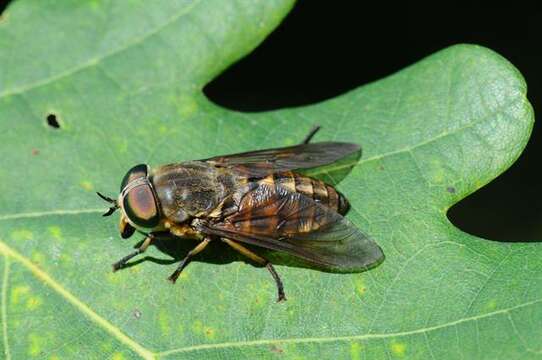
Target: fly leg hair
x,y
202,245
261,261
120,264
311,134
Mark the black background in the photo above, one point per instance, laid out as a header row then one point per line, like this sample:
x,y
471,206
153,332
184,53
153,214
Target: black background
x,y
323,49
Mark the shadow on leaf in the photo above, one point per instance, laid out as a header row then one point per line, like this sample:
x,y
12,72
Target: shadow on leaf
x,y
219,253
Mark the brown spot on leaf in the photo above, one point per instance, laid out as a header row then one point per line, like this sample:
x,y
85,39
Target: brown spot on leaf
x,y
35,152
276,349
209,332
450,189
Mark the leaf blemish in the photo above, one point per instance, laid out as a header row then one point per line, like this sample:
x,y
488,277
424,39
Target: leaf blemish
x,y
491,305
87,185
196,327
38,257
398,348
163,322
118,356
360,286
112,278
52,121
187,106
22,234
18,292
137,313
355,351
36,344
55,232
209,332
33,303
276,349
450,189
199,328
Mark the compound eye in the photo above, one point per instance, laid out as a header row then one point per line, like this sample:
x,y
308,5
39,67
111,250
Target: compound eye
x,y
137,171
140,206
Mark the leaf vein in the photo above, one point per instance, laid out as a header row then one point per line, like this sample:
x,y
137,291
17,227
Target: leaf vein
x,y
347,338
94,61
489,277
441,135
78,304
38,214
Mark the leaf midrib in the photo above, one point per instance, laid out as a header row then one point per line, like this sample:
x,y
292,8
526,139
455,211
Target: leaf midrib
x,y
8,252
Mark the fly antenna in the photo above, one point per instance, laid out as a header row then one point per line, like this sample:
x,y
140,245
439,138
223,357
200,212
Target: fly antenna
x,y
111,201
107,198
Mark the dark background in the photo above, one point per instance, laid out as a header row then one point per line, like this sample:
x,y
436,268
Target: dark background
x,y
324,49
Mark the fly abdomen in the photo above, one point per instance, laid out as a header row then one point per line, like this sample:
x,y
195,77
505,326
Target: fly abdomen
x,y
315,189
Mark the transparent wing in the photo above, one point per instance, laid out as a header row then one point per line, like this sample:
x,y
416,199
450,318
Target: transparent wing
x,y
276,219
304,156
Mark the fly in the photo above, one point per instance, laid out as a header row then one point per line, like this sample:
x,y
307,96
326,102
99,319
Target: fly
x,y
258,198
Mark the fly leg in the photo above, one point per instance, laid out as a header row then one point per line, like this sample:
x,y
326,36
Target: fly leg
x,y
202,245
120,264
311,134
262,261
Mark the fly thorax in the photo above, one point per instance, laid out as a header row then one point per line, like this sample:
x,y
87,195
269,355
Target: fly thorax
x,y
187,190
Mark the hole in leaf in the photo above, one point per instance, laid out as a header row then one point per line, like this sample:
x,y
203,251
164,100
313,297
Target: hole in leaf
x,y
52,121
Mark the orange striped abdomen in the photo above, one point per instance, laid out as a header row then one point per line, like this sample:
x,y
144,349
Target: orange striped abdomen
x,y
281,205
315,189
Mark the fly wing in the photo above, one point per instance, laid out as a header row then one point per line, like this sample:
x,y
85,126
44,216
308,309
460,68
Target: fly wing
x,y
277,219
304,156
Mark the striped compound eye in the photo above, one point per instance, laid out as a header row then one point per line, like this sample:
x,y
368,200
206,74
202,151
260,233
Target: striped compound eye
x,y
138,171
140,206
139,203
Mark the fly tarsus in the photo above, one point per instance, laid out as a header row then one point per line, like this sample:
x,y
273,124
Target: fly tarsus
x,y
278,281
261,261
122,262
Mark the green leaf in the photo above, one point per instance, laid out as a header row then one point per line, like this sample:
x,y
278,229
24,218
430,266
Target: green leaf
x,y
124,81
